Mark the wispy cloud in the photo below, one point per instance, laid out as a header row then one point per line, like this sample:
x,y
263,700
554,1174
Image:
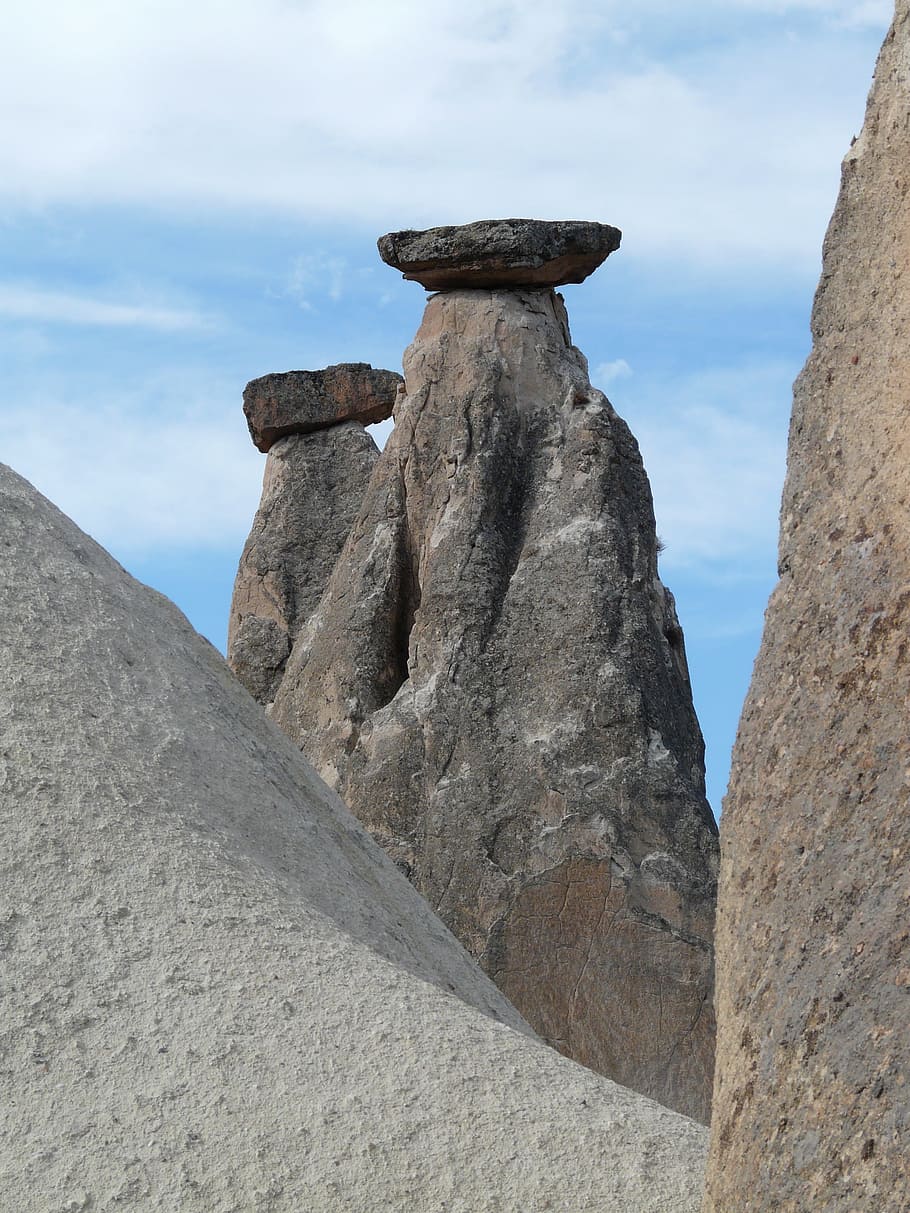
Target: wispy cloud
x,y
328,112
714,446
23,302
316,275
608,372
149,470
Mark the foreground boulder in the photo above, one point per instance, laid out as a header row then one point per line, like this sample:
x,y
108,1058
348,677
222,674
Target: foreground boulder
x,y
218,994
495,681
496,253
812,1101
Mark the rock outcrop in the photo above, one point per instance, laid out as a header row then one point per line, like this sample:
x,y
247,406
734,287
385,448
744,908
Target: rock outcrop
x,y
320,459
812,1100
299,402
496,684
218,993
311,494
498,253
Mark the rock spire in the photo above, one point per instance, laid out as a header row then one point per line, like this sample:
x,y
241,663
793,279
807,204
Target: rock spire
x,y
495,680
218,993
812,1099
320,459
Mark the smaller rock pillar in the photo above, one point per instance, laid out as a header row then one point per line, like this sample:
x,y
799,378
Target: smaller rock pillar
x,y
320,459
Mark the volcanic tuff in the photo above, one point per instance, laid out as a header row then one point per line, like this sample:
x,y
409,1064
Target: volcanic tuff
x,y
319,463
218,993
812,1100
311,493
496,684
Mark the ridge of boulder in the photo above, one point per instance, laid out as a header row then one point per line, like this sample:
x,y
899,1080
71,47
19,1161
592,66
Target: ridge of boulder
x,y
500,253
218,993
298,402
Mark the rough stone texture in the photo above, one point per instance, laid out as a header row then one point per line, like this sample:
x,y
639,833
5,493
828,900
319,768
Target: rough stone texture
x,y
298,402
218,994
500,253
495,682
812,1102
311,494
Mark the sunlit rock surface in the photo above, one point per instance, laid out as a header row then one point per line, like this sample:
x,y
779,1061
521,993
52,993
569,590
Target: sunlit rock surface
x,y
812,1102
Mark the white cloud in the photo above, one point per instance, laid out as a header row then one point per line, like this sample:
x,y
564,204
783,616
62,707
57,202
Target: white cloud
x,y
23,302
714,447
388,115
851,14
609,372
315,275
137,475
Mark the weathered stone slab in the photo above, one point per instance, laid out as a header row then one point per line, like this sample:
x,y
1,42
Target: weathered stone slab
x,y
298,402
218,993
495,680
495,253
812,1096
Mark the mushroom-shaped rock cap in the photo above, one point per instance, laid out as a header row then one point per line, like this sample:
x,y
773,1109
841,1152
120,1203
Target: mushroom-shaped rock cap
x,y
501,253
298,402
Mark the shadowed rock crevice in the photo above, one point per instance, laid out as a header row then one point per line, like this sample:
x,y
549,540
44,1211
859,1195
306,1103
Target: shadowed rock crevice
x,y
404,599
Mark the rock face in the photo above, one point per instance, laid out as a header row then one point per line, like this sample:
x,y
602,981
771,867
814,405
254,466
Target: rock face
x,y
312,490
500,253
812,1101
218,993
496,684
298,402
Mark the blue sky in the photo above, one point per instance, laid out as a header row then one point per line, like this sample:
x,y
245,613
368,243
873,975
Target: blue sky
x,y
191,197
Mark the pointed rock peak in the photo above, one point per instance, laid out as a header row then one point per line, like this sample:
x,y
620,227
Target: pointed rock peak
x,y
298,402
501,253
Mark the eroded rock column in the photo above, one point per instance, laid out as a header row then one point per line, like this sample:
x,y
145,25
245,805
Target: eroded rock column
x,y
320,459
495,678
812,1100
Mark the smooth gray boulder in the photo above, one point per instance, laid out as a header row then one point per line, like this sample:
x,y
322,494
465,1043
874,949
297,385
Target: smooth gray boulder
x,y
495,681
495,253
217,992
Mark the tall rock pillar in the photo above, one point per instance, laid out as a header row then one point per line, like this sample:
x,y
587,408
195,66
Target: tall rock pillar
x,y
495,679
812,1099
